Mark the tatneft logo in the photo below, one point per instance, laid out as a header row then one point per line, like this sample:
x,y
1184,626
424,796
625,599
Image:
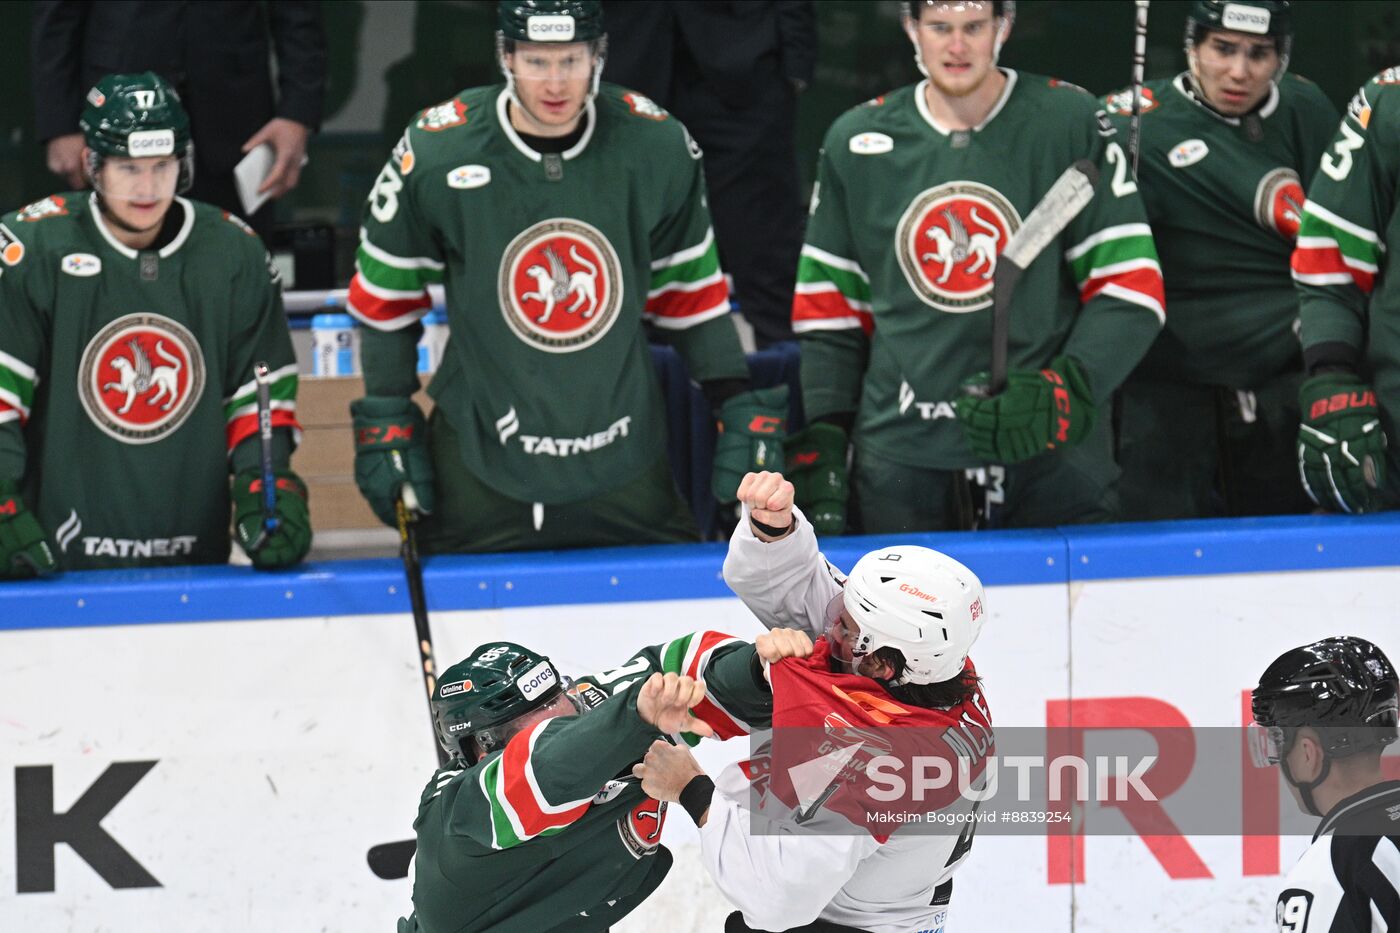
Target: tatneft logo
x,y
550,28
536,680
1245,18
150,143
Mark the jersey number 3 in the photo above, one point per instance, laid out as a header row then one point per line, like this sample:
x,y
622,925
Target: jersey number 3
x,y
1338,167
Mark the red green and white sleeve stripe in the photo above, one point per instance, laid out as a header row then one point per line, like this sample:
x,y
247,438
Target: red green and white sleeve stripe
x,y
390,292
241,408
833,293
688,287
519,809
1120,262
691,655
1332,250
17,382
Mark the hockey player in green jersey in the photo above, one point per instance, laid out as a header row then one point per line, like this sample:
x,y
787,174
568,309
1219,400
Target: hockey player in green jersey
x,y
917,194
536,824
1349,303
1228,146
560,214
130,323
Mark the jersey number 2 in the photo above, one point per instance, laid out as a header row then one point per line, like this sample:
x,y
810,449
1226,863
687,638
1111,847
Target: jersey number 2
x,y
1122,183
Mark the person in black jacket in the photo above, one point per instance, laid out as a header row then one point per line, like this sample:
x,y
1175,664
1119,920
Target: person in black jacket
x,y
731,72
216,56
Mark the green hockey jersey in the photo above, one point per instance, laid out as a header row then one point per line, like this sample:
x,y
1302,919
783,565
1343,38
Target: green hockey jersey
x,y
1224,197
126,377
553,833
1349,298
550,265
908,219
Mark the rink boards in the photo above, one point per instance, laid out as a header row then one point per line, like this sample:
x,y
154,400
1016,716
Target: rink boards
x,y
242,739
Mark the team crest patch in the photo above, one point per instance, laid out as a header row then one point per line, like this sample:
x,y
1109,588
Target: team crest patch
x,y
1278,202
141,377
1121,104
1389,76
402,155
83,265
447,114
643,106
11,249
948,241
560,285
640,827
48,207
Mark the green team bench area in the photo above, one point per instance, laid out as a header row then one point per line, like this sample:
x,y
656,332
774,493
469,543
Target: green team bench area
x,y
209,749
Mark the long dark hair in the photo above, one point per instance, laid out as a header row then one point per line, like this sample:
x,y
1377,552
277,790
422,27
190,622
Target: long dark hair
x,y
943,695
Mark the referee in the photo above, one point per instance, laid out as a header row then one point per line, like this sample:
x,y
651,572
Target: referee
x,y
1325,713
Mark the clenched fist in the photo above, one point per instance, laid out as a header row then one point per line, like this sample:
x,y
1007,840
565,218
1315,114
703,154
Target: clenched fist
x,y
665,702
769,498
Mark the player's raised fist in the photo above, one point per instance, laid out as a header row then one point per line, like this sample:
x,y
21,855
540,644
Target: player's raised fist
x,y
666,770
769,497
665,702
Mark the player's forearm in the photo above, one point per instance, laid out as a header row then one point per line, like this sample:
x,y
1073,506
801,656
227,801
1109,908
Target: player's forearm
x,y
12,451
711,350
1332,325
785,583
833,368
389,360
1109,340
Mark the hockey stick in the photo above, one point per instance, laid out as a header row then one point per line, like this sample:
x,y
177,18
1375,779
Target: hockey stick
x,y
390,860
1070,193
269,478
1139,67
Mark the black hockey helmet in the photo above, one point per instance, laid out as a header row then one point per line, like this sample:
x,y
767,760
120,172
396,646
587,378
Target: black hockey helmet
x,y
1346,688
1271,18
500,682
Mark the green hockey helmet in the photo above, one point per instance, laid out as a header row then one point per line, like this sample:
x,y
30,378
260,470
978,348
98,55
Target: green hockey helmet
x,y
550,20
480,697
1258,17
137,115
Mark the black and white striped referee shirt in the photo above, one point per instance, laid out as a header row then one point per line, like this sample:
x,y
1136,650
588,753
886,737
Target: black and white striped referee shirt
x,y
1348,881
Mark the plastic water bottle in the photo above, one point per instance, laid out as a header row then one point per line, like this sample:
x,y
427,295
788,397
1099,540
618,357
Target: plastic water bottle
x,y
335,345
434,339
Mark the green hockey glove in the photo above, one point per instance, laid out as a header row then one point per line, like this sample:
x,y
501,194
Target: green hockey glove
x,y
1039,410
24,549
1341,447
816,467
291,540
391,448
751,431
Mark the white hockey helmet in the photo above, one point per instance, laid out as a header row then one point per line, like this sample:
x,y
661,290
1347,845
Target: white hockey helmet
x,y
919,601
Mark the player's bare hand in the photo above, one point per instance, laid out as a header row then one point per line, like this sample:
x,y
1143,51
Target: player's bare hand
x,y
769,498
782,643
666,770
665,702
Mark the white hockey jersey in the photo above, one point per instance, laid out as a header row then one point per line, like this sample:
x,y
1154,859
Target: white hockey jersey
x,y
782,877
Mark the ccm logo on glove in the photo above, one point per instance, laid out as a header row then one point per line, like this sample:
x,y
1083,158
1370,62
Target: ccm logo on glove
x,y
382,434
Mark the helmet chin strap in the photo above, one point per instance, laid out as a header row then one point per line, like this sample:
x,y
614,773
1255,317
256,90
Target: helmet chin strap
x,y
1305,791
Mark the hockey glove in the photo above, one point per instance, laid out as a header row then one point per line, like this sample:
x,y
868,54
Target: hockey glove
x,y
391,448
1037,411
1341,447
751,431
292,539
24,549
816,467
